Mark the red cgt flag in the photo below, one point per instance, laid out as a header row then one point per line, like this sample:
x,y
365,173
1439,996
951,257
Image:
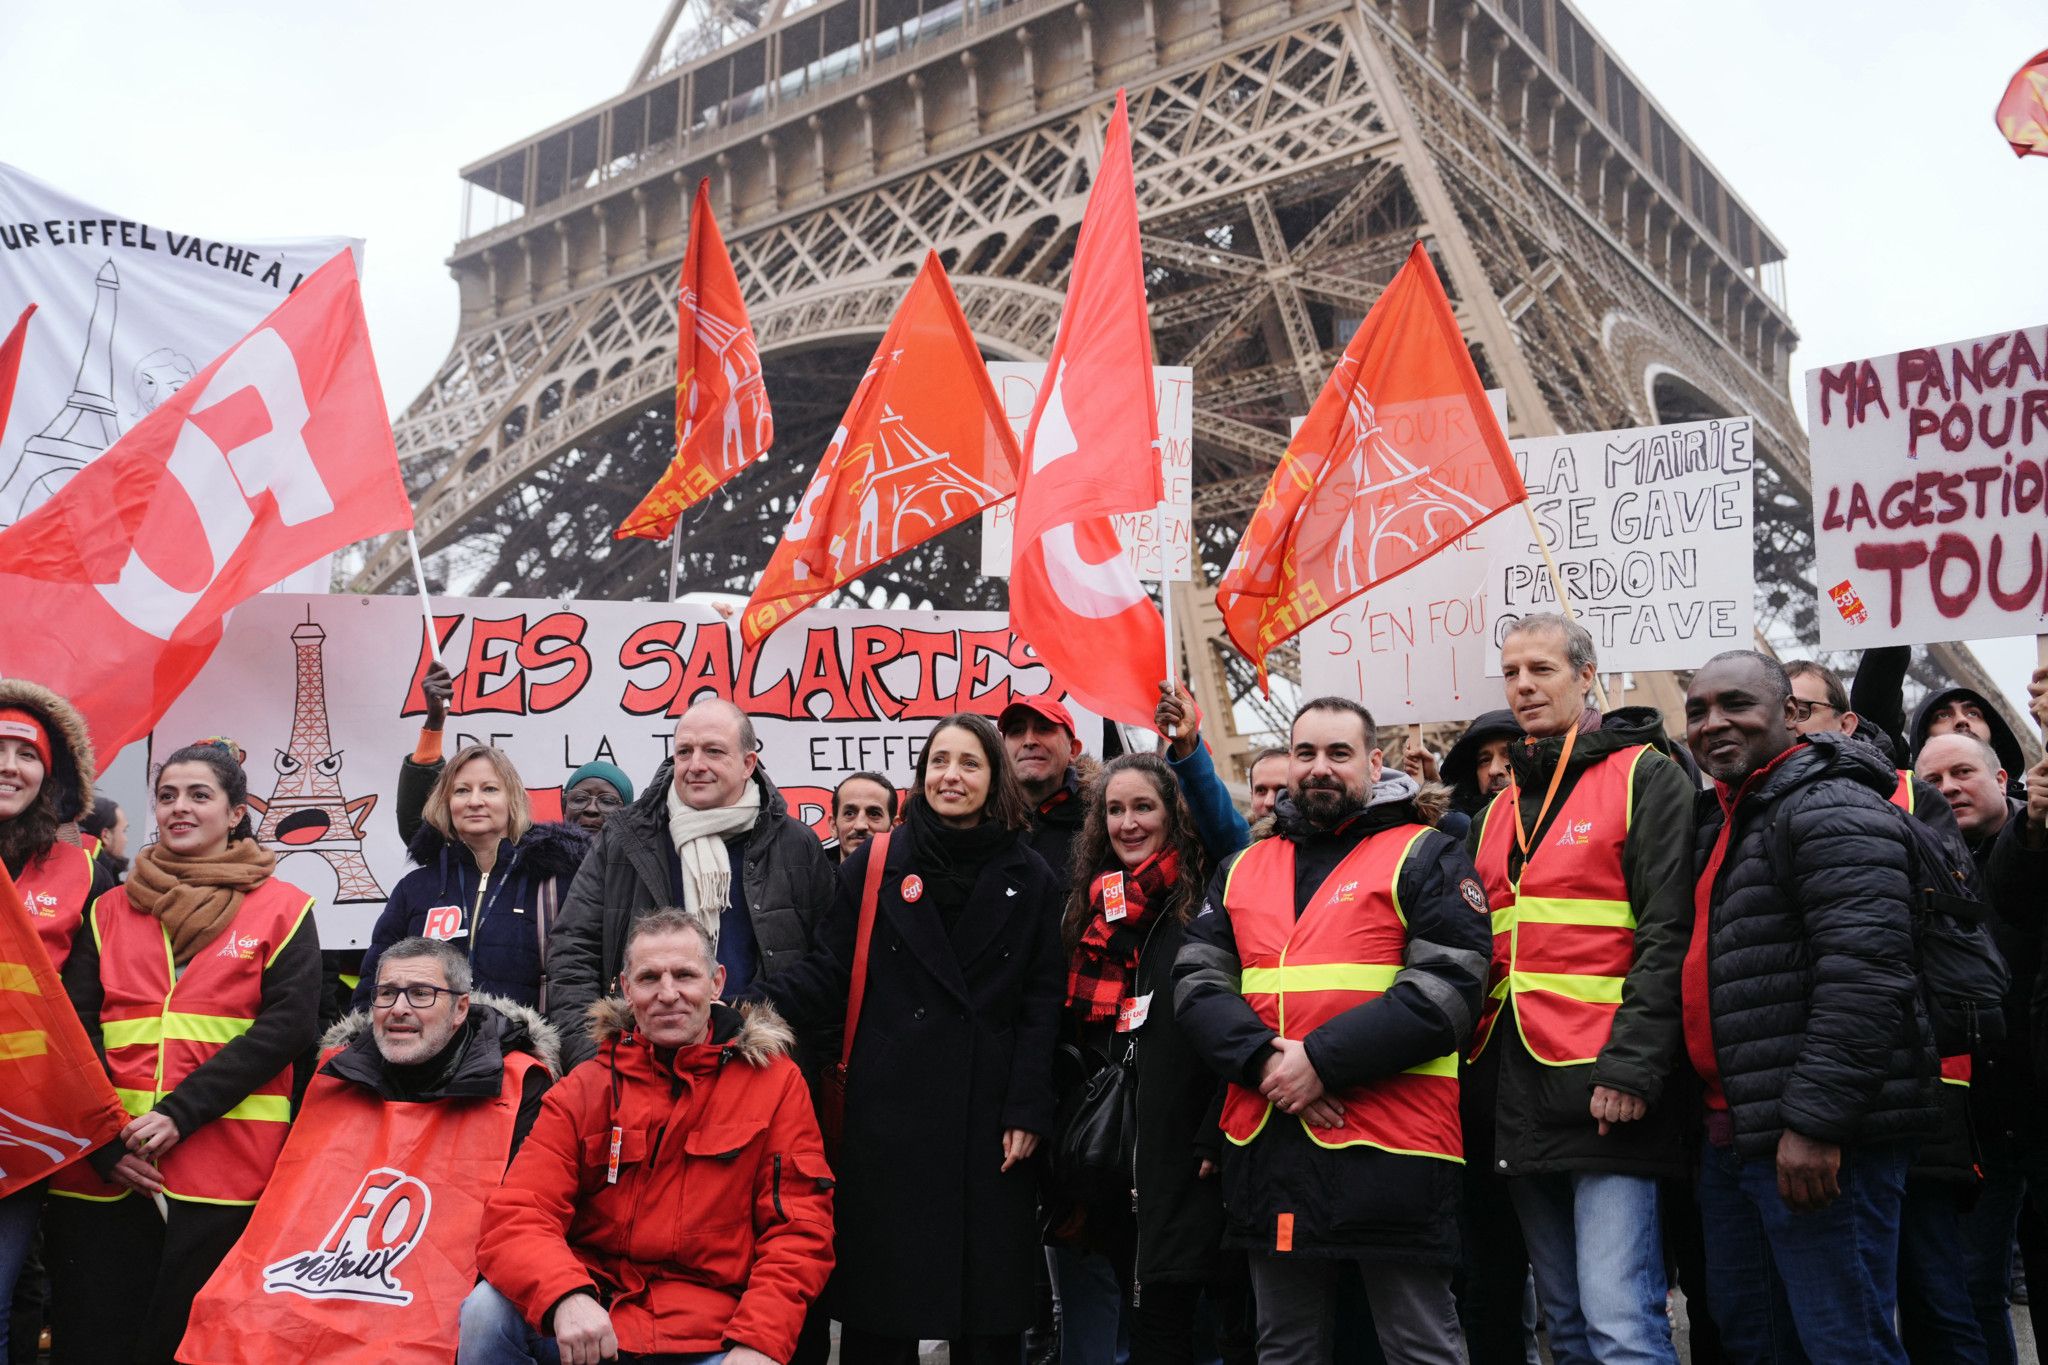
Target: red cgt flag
x,y
923,446
2023,112
722,417
1092,454
56,1103
279,452
10,362
1385,471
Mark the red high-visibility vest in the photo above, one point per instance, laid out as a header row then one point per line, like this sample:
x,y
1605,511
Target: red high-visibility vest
x,y
53,892
1902,794
1345,949
364,1244
1564,934
158,1031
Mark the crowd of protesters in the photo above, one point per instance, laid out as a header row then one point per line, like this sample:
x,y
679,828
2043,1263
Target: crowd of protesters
x,y
1047,1058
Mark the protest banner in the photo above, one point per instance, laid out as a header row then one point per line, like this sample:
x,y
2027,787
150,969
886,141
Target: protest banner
x,y
1159,544
126,313
1930,480
323,695
1651,531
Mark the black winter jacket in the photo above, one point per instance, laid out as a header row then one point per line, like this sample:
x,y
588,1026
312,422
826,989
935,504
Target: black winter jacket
x,y
1811,986
1357,1201
2004,1098
1543,1120
1054,825
789,884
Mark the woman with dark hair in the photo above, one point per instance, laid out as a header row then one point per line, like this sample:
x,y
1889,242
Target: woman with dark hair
x,y
489,879
1138,876
199,981
949,1086
46,774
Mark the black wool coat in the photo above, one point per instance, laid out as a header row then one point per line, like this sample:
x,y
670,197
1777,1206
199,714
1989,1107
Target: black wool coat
x,y
954,1045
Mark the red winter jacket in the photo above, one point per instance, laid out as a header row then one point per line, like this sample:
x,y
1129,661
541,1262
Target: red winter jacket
x,y
718,1230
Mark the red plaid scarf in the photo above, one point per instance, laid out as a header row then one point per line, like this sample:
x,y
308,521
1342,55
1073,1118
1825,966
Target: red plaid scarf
x,y
1099,977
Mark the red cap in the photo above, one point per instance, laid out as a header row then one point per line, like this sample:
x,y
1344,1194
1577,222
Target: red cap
x,y
1043,706
16,723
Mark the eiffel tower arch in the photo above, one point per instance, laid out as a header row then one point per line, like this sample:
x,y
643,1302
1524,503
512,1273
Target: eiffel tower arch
x,y
1288,153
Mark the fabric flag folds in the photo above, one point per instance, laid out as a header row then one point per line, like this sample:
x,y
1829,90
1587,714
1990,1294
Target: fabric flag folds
x,y
277,453
722,417
923,446
1399,457
10,362
1091,454
56,1103
2023,112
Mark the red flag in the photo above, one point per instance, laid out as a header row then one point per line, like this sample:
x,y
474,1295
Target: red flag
x,y
923,446
2023,112
722,417
1399,457
56,1103
1092,453
277,453
10,362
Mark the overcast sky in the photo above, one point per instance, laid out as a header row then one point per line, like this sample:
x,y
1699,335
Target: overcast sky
x,y
1861,135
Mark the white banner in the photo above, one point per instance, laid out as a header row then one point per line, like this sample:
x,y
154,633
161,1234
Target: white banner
x,y
1930,479
1160,544
126,312
322,694
1651,531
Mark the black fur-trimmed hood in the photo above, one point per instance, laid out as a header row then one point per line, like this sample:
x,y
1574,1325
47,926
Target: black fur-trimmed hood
x,y
70,744
753,1031
546,851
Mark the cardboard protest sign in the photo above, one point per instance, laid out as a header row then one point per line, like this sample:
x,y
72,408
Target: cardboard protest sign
x,y
1930,479
322,694
1161,544
1651,530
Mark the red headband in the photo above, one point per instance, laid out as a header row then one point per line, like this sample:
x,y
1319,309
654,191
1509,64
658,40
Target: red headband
x,y
16,723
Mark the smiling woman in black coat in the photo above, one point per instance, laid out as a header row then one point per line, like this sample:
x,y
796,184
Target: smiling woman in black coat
x,y
949,1088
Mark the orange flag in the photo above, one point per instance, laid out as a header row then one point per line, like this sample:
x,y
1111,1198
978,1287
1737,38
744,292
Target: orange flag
x,y
1383,474
56,1103
923,446
2023,113
722,417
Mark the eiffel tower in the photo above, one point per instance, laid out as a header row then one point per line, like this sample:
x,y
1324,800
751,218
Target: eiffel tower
x,y
1288,153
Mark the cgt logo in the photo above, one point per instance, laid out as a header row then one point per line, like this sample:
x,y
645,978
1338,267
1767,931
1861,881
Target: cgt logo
x,y
1575,832
360,1256
245,947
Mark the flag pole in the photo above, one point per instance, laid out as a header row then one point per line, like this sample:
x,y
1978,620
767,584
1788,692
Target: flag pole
x,y
1172,665
1557,584
419,576
675,555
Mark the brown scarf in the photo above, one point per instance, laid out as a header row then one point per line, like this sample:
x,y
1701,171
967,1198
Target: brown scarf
x,y
196,898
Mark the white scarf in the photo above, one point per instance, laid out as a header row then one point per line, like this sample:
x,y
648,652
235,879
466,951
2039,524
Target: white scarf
x,y
699,837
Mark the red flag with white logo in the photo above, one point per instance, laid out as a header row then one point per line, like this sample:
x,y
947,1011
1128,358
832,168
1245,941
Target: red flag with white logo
x,y
10,362
279,452
56,1103
1091,453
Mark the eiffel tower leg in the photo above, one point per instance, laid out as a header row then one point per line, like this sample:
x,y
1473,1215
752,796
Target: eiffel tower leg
x,y
356,883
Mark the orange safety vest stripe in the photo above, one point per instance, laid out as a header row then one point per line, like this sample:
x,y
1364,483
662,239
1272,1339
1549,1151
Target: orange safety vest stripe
x,y
1902,794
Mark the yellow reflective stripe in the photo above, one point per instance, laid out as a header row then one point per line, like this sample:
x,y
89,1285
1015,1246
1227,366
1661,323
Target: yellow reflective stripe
x,y
27,1043
1596,990
293,933
1320,976
144,1032
263,1109
1563,910
136,1102
1446,1065
18,976
1504,919
204,1028
1401,862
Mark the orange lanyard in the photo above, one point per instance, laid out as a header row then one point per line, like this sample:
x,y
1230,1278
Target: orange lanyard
x,y
1564,756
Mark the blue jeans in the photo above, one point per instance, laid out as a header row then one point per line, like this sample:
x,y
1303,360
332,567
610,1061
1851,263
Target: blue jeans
x,y
1815,1287
1936,1320
1094,1328
1597,1247
1988,1231
18,1214
494,1333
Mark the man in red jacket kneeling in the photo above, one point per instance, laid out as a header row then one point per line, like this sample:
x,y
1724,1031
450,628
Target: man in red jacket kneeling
x,y
672,1201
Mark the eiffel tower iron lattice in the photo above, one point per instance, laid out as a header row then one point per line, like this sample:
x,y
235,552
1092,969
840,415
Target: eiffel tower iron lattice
x,y
1288,153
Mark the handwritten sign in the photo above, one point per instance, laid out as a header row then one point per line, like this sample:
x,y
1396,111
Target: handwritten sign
x,y
1651,531
1930,481
1161,543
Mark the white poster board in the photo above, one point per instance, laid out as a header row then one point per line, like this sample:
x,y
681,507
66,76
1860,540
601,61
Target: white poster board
x,y
1652,532
1160,544
1930,484
322,695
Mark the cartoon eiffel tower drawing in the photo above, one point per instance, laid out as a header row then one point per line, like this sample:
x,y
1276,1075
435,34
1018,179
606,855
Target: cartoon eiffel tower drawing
x,y
306,812
84,426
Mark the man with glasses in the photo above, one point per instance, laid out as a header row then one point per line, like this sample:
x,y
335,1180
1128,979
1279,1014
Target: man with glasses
x,y
364,1243
1820,706
594,793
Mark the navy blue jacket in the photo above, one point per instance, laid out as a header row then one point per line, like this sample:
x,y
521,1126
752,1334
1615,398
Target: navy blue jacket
x,y
503,938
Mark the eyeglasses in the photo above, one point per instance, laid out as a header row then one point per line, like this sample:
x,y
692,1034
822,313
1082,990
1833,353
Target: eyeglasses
x,y
604,800
1802,709
419,995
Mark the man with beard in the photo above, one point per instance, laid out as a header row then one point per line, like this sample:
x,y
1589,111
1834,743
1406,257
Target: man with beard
x,y
1333,974
1803,1020
1038,733
863,805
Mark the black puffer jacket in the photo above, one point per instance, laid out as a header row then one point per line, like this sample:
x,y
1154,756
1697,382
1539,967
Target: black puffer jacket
x,y
2004,1097
1811,989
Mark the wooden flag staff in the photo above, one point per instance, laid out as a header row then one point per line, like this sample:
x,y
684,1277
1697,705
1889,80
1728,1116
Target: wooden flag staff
x,y
419,574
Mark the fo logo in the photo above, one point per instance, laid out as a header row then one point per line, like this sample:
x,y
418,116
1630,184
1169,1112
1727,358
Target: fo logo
x,y
360,1256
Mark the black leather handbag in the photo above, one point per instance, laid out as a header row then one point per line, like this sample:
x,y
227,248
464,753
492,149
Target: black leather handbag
x,y
1098,1128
